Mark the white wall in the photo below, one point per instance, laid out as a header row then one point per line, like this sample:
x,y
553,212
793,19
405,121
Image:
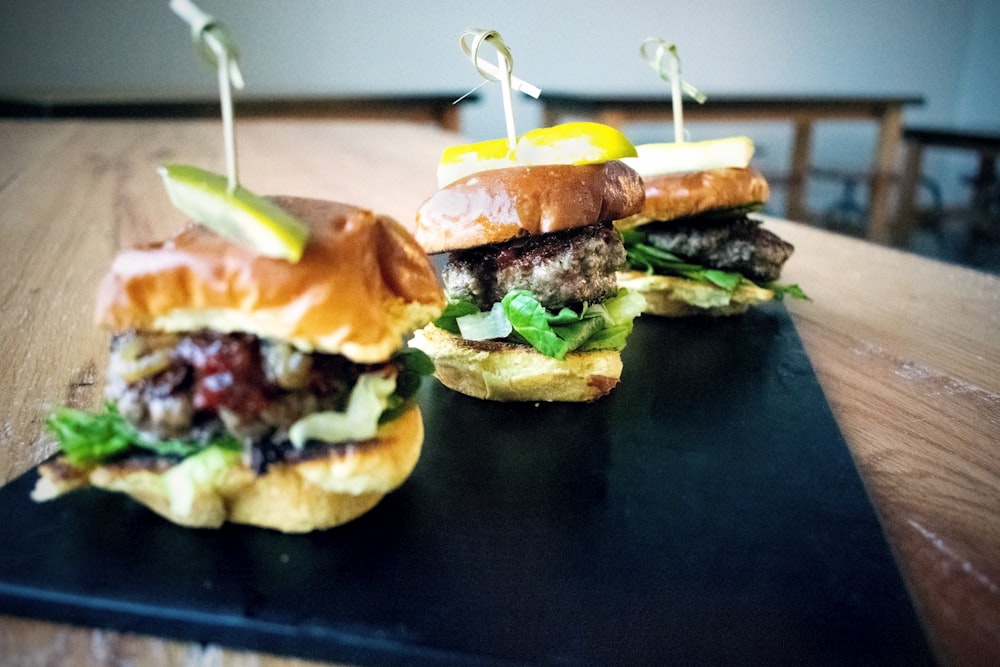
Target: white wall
x,y
943,50
978,99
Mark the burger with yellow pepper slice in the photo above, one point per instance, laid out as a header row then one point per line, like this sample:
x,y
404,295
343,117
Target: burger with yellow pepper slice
x,y
258,372
534,310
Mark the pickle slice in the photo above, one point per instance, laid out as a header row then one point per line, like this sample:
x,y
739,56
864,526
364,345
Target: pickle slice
x,y
676,157
241,216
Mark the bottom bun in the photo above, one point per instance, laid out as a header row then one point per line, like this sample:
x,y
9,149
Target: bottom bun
x,y
210,488
673,296
500,371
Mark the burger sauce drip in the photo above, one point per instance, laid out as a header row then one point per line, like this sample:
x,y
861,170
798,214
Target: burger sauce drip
x,y
227,374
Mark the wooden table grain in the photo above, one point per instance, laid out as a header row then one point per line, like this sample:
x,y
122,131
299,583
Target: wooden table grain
x,y
906,348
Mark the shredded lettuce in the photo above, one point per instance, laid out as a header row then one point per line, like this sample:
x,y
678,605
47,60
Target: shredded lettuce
x,y
485,325
520,317
374,400
645,257
359,421
206,469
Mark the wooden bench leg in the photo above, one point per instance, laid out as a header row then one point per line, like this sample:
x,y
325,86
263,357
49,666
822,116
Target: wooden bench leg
x,y
795,207
449,118
883,168
912,173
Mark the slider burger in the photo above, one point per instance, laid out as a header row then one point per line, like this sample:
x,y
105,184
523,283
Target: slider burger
x,y
274,391
693,249
535,312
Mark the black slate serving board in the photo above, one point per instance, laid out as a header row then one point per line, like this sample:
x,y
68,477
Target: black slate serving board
x,y
706,512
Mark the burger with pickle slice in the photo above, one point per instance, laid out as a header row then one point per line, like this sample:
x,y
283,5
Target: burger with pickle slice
x,y
270,391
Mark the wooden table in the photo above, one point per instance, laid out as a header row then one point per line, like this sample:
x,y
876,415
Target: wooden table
x,y
984,143
905,347
801,111
437,108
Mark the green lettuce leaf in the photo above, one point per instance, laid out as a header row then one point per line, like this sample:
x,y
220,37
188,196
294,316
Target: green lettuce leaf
x,y
792,291
413,366
599,326
619,315
533,322
87,438
642,256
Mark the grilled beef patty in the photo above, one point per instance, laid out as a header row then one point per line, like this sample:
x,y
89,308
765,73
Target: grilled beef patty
x,y
740,245
194,385
561,268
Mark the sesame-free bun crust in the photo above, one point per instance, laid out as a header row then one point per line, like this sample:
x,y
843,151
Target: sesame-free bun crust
x,y
500,204
318,493
500,371
680,195
362,283
674,296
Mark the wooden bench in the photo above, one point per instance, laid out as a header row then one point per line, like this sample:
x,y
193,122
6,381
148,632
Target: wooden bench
x,y
985,143
801,111
438,108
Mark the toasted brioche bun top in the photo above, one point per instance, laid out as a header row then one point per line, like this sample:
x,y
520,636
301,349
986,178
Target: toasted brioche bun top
x,y
500,204
361,285
679,195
